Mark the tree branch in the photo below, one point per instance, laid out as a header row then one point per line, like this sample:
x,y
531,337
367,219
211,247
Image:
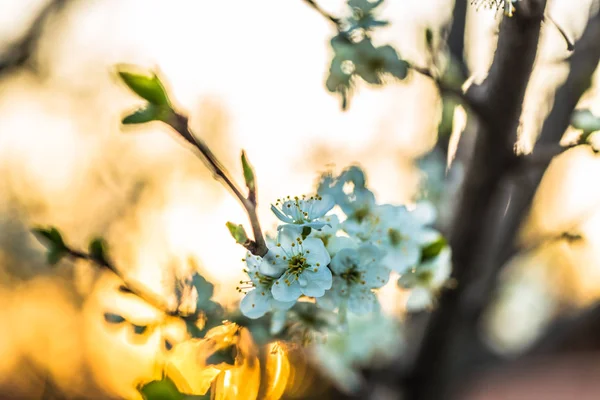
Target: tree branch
x,y
450,348
180,124
20,52
128,286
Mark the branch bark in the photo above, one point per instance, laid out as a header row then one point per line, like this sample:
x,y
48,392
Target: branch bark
x,y
450,346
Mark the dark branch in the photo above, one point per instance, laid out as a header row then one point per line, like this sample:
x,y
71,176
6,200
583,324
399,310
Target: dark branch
x,y
127,286
450,346
19,53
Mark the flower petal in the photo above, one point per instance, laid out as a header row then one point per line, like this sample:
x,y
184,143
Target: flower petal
x,y
319,208
425,212
402,257
285,292
366,254
317,282
281,215
337,243
272,265
315,252
256,303
376,276
362,301
344,260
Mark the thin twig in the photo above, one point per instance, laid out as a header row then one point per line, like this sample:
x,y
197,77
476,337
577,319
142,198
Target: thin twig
x,y
447,89
132,287
336,21
258,246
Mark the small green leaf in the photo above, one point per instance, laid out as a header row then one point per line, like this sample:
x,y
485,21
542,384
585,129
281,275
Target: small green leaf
x,y
205,291
226,355
248,173
238,232
145,84
161,390
54,255
49,237
113,318
142,115
98,250
432,250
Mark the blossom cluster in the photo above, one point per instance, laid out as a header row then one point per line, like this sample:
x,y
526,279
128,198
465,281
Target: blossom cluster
x,y
339,247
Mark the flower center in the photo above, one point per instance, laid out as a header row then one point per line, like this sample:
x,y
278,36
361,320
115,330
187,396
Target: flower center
x,y
361,214
395,237
297,264
352,275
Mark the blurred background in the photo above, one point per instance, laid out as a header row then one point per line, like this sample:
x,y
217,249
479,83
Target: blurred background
x,y
251,76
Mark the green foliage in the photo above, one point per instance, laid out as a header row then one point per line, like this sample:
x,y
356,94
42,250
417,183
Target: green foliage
x,y
248,173
144,83
433,249
148,113
52,239
165,389
98,251
205,291
149,87
237,232
356,56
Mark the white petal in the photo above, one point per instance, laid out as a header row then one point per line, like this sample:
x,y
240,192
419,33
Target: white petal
x,y
362,301
317,281
337,243
315,252
286,291
319,208
344,260
256,303
271,265
281,215
425,212
376,276
368,253
402,257
426,236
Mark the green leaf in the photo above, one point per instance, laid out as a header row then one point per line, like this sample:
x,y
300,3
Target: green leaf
x,y
205,291
238,232
393,64
161,390
98,250
113,318
226,355
49,237
248,173
54,255
145,84
364,5
432,250
148,113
